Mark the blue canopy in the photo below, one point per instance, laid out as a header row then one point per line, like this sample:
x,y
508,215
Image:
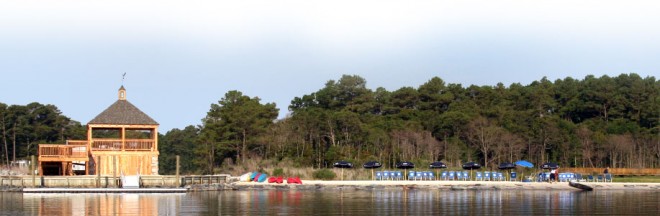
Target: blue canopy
x,y
524,163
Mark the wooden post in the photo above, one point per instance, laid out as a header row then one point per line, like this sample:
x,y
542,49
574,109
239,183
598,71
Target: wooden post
x,y
178,183
114,170
98,171
33,162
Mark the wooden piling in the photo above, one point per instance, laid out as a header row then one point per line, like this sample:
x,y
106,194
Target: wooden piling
x,y
114,170
32,163
98,171
178,183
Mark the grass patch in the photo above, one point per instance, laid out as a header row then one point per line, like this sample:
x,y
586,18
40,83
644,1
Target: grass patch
x,y
324,174
644,179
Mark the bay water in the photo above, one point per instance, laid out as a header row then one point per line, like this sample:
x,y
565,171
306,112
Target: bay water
x,y
339,202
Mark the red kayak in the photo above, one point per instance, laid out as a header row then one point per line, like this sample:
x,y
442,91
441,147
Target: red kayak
x,y
295,180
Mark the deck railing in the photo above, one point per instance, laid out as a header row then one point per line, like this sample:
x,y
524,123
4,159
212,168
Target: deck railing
x,y
118,145
64,151
139,145
76,142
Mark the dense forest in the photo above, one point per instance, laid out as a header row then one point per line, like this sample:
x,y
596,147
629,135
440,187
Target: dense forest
x,y
24,127
593,122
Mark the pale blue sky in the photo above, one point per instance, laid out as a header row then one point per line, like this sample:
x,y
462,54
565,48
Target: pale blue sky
x,y
181,56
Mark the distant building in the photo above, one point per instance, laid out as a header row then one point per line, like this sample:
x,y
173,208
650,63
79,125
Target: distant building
x,y
120,140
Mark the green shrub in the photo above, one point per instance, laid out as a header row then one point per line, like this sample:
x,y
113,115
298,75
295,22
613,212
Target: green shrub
x,y
324,174
278,172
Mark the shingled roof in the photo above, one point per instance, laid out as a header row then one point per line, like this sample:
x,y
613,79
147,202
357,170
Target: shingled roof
x,y
124,113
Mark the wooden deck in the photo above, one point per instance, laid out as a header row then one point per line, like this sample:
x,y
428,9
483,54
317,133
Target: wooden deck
x,y
62,153
127,156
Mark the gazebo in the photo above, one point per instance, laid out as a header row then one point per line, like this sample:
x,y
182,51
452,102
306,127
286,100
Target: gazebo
x,y
120,140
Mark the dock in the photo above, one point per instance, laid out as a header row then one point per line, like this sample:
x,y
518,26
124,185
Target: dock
x,y
105,190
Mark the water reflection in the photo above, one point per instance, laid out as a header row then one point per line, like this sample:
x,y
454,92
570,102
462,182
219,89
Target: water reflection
x,y
372,202
100,204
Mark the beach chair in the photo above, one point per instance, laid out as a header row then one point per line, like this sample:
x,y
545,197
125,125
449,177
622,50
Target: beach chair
x,y
486,175
590,178
386,175
513,176
500,176
431,176
399,175
443,175
379,175
411,175
608,177
452,175
479,176
419,176
600,178
466,176
578,177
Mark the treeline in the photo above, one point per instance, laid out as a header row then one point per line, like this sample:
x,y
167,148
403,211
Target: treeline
x,y
23,128
593,122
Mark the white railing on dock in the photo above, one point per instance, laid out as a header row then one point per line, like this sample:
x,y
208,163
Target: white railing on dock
x,y
146,181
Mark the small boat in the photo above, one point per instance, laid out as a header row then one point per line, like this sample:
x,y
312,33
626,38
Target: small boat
x,y
245,177
262,178
580,186
253,176
294,180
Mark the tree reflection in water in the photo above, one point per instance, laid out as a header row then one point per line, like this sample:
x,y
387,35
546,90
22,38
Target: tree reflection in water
x,y
347,201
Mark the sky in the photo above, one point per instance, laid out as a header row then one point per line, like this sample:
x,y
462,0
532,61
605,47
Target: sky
x,y
181,56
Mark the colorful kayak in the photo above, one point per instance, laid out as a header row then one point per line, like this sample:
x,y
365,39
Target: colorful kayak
x,y
256,177
262,178
253,176
245,177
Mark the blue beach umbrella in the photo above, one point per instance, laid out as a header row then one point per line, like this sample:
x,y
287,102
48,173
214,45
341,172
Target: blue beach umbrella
x,y
524,163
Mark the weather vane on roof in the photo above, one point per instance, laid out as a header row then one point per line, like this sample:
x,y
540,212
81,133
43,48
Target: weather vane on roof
x,y
123,77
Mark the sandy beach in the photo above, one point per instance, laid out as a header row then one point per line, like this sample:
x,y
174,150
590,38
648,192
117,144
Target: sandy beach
x,y
441,185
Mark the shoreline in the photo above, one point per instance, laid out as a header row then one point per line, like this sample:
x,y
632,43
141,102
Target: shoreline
x,y
403,185
439,185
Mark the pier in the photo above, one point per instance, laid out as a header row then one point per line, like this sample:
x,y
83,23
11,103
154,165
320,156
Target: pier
x,y
153,181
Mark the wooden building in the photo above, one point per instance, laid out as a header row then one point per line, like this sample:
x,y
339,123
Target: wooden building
x,y
120,140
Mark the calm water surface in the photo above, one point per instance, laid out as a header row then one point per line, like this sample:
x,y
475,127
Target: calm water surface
x,y
376,202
